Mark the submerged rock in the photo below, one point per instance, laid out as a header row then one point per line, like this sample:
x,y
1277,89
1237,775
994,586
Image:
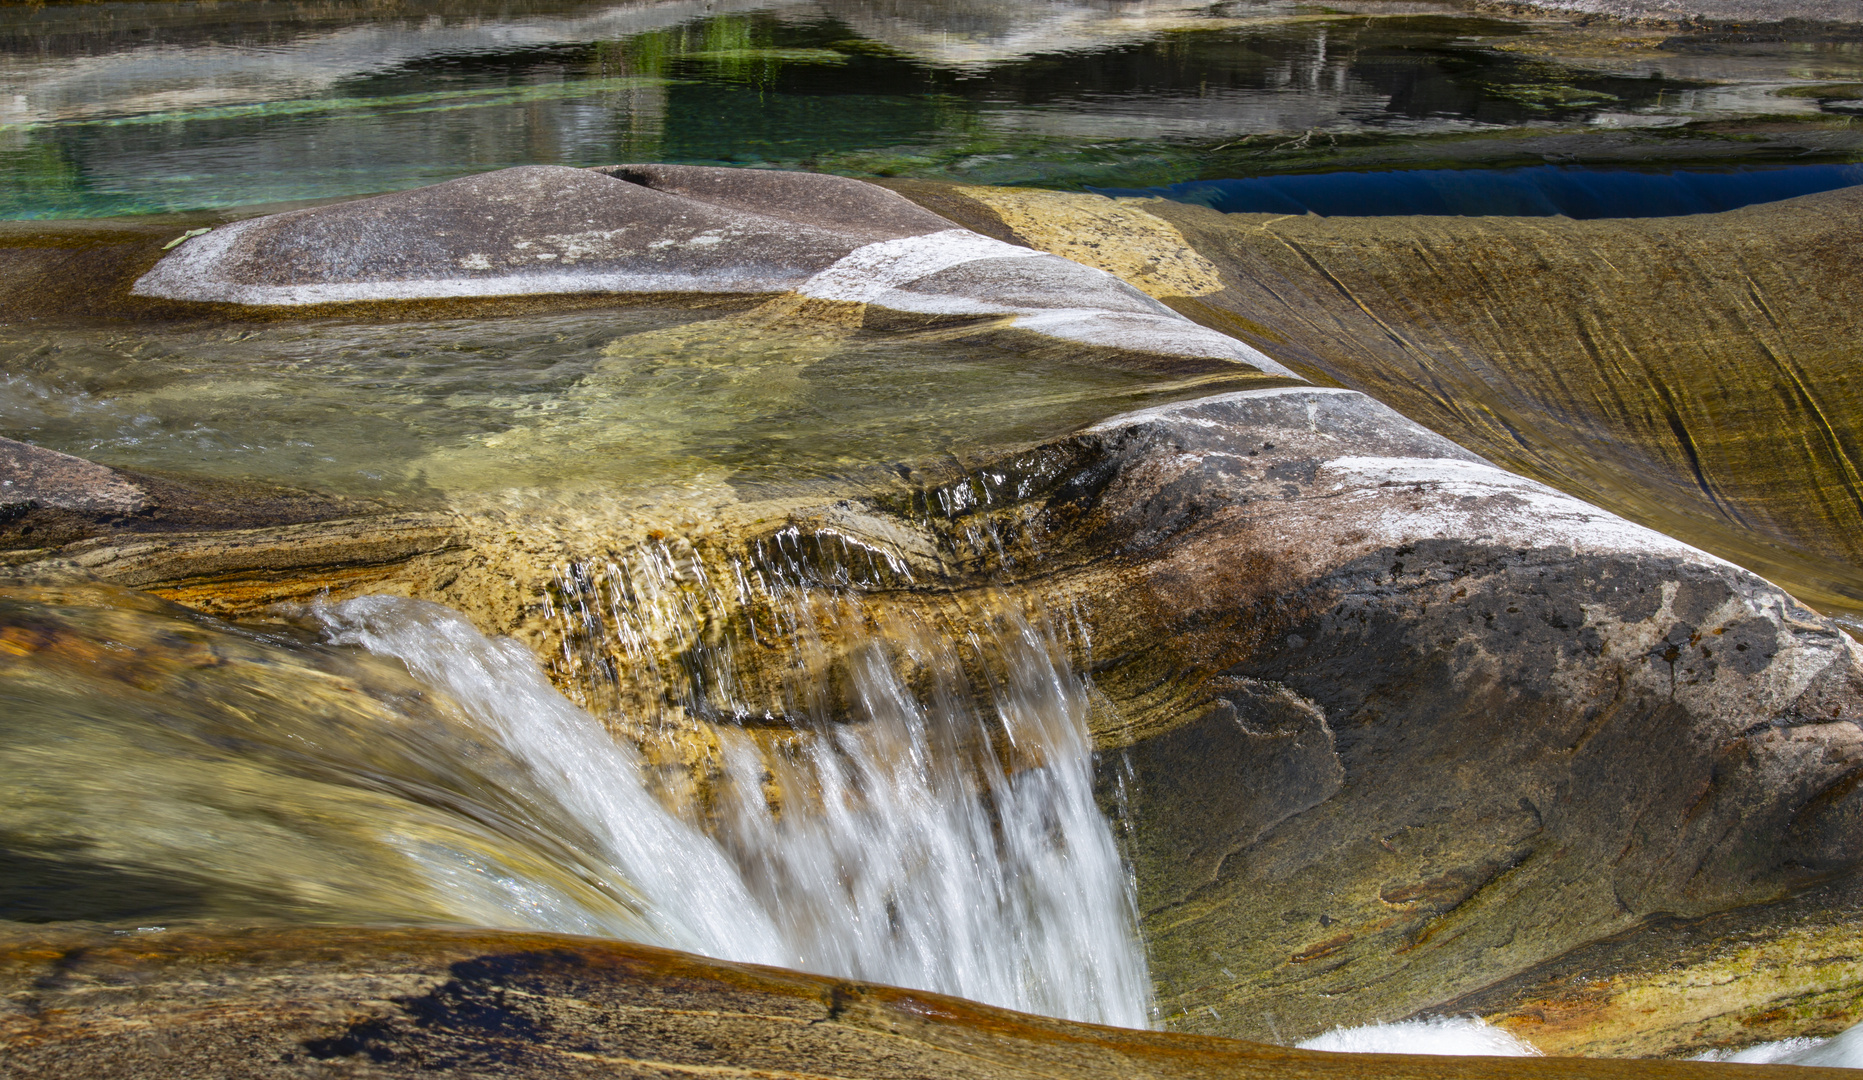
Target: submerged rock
x,y
221,545
181,1002
1394,731
1391,731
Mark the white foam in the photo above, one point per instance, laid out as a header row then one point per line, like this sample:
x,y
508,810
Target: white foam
x,y
1842,1051
1459,1036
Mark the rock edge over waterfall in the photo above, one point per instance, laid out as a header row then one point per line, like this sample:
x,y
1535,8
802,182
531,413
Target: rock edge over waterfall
x,y
330,1002
1395,731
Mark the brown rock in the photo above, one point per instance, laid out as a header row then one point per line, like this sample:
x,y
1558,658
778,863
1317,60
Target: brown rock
x,y
339,1002
32,477
1690,373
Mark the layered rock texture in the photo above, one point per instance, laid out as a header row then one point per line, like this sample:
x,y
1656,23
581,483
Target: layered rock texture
x,y
308,1003
1391,720
1395,731
1693,373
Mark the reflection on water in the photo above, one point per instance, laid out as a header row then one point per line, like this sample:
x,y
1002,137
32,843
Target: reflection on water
x,y
622,398
113,108
1542,191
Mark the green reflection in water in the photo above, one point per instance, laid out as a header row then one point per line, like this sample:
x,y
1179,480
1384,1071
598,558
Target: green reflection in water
x,y
282,102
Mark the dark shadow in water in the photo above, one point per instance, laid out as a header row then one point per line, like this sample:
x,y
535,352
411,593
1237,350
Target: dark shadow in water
x,y
55,886
1541,191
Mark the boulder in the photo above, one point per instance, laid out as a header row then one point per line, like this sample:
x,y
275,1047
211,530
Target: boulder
x,y
195,1002
1690,373
1389,727
670,231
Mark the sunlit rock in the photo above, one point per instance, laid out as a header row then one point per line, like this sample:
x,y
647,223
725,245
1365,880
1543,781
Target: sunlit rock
x,y
183,1002
672,231
1387,723
1691,373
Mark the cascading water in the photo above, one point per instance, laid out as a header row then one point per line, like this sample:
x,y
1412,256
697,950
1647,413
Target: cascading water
x,y
922,833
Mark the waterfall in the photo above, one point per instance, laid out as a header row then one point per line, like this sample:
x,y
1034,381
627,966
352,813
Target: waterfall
x,y
927,831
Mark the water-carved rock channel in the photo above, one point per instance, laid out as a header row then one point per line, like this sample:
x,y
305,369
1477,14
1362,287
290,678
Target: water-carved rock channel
x,y
459,629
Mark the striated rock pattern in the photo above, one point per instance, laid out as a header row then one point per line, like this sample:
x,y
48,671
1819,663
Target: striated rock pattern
x,y
1693,373
387,1003
1394,731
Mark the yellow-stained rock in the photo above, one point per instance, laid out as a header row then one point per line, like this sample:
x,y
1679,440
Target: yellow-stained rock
x,y
1695,374
423,1002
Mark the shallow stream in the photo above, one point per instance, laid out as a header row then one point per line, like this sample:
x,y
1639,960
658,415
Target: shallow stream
x,y
380,760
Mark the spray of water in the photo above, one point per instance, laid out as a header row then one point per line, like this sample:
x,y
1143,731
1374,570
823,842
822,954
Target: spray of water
x,y
1440,1035
1842,1051
935,836
692,898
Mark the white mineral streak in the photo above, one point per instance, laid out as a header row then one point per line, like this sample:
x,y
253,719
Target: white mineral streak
x,y
1476,501
1178,411
193,272
882,273
865,273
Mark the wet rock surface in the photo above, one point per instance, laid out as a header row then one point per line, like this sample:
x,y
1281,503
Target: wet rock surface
x,y
673,231
1388,722
223,545
1393,731
1690,373
1390,731
358,1002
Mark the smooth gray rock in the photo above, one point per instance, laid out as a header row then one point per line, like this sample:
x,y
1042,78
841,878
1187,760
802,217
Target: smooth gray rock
x,y
642,230
34,477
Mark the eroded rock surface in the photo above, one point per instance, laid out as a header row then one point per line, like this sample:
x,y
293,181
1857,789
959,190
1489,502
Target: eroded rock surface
x,y
1388,721
1691,373
670,230
1392,729
339,1002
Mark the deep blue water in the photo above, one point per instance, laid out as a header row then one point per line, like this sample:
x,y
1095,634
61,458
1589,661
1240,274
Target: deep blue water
x,y
1539,191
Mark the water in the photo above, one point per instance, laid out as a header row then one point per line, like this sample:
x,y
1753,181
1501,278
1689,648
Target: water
x,y
615,400
165,766
138,107
1842,1051
1541,191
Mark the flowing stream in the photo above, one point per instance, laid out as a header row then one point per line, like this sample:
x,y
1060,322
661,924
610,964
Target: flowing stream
x,y
943,838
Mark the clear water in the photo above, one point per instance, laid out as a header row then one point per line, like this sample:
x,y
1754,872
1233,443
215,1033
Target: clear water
x,y
164,766
138,107
614,399
1540,191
